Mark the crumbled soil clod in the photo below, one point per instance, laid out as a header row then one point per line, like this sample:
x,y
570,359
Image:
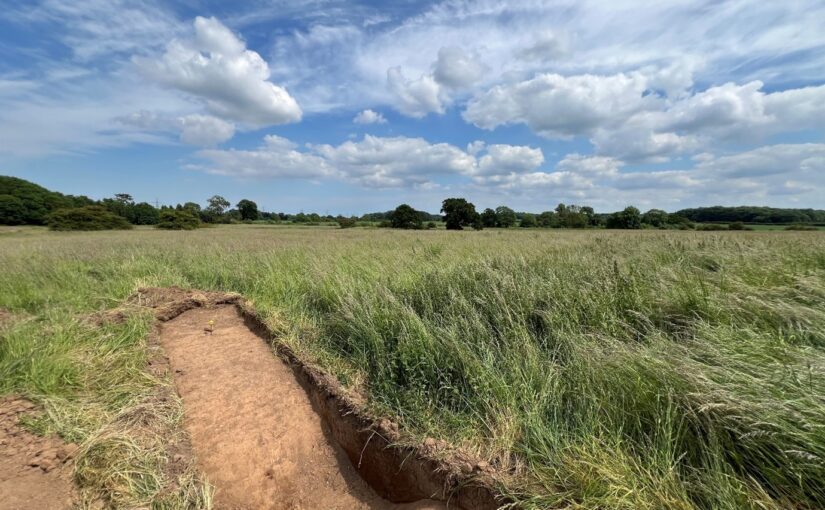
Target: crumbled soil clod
x,y
35,472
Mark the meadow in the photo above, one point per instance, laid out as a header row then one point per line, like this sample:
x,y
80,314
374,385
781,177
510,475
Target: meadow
x,y
594,369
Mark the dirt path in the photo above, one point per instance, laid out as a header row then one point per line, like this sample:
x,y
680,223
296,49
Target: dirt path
x,y
35,472
252,425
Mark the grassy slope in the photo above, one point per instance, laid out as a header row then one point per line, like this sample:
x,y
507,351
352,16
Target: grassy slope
x,y
605,369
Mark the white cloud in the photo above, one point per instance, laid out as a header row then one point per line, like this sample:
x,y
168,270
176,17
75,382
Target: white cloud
x,y
505,159
276,158
205,130
804,161
193,129
377,162
216,67
589,165
399,161
369,117
416,98
556,106
721,42
546,45
455,68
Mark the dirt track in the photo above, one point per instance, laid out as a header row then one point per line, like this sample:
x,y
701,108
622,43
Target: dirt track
x,y
254,430
35,472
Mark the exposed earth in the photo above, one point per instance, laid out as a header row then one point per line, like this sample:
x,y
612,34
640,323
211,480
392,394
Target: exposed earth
x,y
253,427
35,471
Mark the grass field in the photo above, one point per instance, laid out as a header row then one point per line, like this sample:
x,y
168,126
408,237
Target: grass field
x,y
599,369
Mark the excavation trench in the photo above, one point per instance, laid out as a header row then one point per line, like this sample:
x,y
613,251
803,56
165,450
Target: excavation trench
x,y
272,432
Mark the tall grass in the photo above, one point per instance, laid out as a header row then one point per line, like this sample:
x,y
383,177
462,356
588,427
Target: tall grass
x,y
597,369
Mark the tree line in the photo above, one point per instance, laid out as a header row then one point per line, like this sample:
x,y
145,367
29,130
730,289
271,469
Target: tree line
x,y
458,214
25,203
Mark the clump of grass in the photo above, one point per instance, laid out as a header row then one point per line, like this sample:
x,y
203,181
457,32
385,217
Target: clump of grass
x,y
596,369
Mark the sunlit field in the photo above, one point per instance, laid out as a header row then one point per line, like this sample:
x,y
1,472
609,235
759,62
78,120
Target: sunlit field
x,y
593,369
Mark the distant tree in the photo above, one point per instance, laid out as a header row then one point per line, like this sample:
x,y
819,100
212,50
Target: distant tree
x,y
124,198
248,209
574,216
144,214
592,219
629,218
37,201
405,217
430,225
192,207
458,213
215,208
345,222
12,210
655,218
90,217
505,217
546,219
171,219
528,221
488,218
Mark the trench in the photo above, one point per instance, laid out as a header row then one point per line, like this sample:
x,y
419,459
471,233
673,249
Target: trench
x,y
271,432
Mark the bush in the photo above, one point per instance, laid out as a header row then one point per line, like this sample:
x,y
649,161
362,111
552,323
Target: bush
x,y
346,222
707,227
91,217
801,227
738,225
171,219
430,225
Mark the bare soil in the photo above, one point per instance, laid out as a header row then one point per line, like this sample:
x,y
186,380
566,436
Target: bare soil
x,y
35,471
253,427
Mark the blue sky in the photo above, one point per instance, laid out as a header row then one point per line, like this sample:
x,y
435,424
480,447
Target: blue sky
x,y
351,107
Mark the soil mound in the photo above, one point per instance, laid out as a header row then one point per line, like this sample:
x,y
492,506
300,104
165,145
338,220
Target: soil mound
x,y
253,427
35,472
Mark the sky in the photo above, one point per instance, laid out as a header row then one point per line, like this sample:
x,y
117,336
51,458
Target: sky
x,y
351,107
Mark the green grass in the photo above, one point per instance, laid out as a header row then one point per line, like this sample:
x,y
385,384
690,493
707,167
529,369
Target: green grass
x,y
598,369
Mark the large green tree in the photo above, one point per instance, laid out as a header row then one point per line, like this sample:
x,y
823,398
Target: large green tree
x,y
629,218
405,217
459,213
215,208
248,209
488,218
505,217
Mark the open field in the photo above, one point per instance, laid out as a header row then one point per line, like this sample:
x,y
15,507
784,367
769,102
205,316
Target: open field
x,y
596,369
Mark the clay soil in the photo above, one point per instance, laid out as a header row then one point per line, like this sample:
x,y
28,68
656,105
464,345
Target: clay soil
x,y
253,427
35,472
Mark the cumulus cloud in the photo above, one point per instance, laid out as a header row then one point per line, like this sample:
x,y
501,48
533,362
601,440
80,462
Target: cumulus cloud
x,y
505,159
377,162
194,129
416,98
624,116
277,158
556,106
455,68
397,161
204,130
785,161
369,117
453,71
215,67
